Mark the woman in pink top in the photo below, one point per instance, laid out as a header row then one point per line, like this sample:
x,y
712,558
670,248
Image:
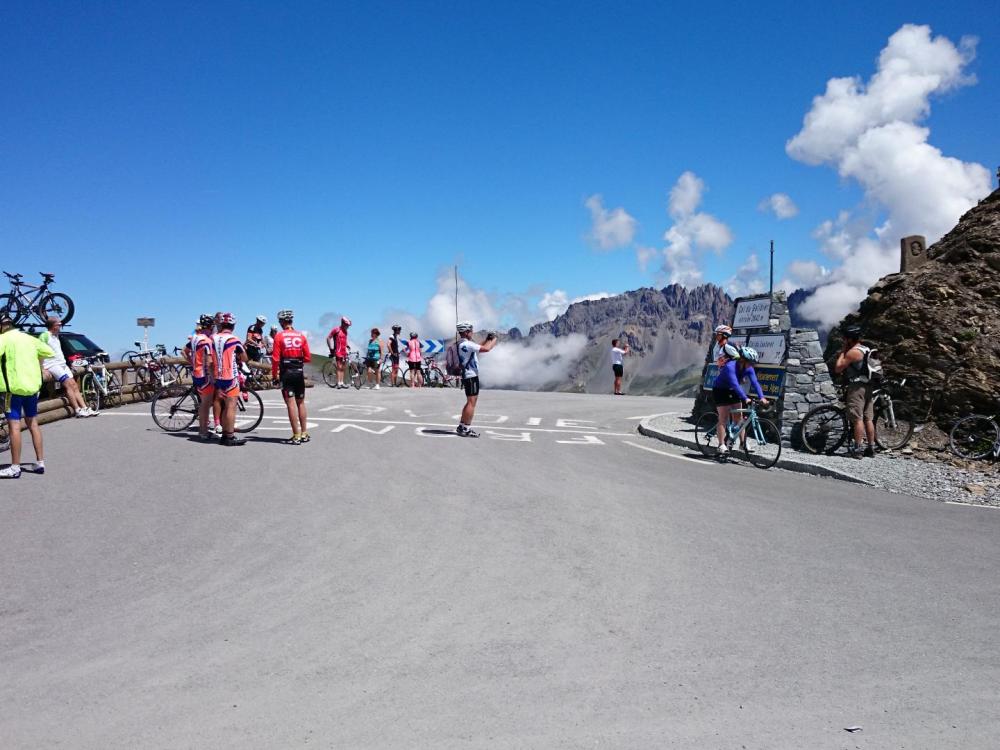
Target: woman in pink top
x,y
414,361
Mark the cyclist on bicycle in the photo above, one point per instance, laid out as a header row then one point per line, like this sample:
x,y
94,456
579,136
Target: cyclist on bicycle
x,y
227,353
415,361
255,339
373,358
395,345
291,353
727,391
199,354
339,348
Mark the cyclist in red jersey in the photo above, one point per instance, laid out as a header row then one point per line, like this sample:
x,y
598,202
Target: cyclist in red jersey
x,y
199,352
339,348
291,352
228,353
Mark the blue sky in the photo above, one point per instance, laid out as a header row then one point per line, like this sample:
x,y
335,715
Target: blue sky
x,y
167,159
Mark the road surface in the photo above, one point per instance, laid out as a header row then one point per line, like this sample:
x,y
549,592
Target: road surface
x,y
561,582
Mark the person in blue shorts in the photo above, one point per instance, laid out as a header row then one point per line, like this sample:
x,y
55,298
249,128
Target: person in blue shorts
x,y
20,382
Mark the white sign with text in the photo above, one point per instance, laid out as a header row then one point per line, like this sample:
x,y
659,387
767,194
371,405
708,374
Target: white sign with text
x,y
770,346
753,313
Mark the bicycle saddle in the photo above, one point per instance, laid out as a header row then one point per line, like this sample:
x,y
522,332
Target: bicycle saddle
x,y
48,276
13,276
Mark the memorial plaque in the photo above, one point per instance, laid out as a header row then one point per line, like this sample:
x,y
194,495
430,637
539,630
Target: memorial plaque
x,y
770,377
753,312
912,253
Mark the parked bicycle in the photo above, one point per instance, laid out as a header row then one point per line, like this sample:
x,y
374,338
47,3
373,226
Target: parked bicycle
x,y
25,301
175,409
826,428
99,386
354,374
759,438
434,376
385,373
975,436
155,373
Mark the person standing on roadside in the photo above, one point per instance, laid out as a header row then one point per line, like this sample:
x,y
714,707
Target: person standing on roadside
x,y
373,358
20,382
722,334
199,353
337,341
618,364
254,342
468,351
395,345
850,364
415,361
291,353
54,368
227,354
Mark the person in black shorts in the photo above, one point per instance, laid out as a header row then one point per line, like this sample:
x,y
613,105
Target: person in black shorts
x,y
468,351
394,347
291,352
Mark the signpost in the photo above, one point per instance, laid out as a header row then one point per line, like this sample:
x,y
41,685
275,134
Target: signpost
x,y
770,377
145,324
432,346
770,346
753,312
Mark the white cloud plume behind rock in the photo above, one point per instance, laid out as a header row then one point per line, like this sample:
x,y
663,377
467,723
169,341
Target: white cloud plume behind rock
x,y
527,365
609,229
869,133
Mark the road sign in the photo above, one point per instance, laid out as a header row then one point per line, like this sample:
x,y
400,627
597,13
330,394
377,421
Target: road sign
x,y
145,322
432,346
752,312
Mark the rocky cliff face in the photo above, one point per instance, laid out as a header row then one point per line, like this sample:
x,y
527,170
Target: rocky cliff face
x,y
667,329
939,326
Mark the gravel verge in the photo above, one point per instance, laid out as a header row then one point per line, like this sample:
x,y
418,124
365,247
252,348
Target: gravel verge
x,y
891,471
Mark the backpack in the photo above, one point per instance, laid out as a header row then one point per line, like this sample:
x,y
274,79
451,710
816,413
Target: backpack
x,y
869,369
453,362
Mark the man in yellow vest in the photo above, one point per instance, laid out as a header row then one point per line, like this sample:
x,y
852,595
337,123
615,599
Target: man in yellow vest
x,y
20,382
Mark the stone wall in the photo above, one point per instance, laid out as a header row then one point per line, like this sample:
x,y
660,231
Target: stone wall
x,y
807,382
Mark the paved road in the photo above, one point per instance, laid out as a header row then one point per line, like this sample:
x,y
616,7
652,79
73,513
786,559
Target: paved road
x,y
559,583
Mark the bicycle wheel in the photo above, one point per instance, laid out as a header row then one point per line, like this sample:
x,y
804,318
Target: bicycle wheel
x,y
127,356
407,377
113,388
763,444
706,433
974,436
330,373
824,429
175,409
90,392
357,373
10,305
435,378
250,412
56,305
145,383
892,433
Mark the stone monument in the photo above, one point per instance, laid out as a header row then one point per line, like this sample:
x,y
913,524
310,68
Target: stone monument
x,y
912,253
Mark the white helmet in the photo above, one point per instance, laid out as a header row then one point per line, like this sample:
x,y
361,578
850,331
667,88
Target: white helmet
x,y
464,327
724,330
261,319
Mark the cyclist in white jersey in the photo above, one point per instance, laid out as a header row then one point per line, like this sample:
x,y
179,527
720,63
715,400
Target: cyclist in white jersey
x,y
468,356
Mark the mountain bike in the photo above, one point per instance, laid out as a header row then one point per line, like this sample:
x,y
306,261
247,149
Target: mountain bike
x,y
975,436
98,385
825,428
175,409
21,304
760,439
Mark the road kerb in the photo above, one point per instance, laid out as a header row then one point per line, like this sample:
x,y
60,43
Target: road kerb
x,y
801,467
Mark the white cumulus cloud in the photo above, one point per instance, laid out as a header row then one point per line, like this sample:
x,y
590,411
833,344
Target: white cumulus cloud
x,y
747,279
692,232
780,204
555,303
609,229
870,133
525,365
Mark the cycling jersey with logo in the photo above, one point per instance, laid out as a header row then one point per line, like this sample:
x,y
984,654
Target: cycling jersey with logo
x,y
467,356
200,345
225,347
291,352
339,342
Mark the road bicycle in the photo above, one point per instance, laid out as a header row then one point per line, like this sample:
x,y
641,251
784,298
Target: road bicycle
x,y
175,409
825,428
434,376
354,374
385,373
98,385
25,301
975,436
759,438
155,374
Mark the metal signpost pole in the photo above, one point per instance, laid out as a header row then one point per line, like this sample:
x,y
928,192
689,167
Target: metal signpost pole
x,y
145,324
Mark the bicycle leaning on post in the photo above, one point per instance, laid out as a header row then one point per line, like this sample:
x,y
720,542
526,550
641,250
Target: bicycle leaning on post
x,y
759,438
98,385
826,428
975,436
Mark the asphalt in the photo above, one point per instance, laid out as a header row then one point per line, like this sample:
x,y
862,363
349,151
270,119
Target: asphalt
x,y
561,582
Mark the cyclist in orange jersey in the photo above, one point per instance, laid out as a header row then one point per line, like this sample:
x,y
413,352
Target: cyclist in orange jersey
x,y
228,352
199,352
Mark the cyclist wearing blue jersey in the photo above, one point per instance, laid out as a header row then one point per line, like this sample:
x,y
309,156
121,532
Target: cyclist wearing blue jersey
x,y
727,390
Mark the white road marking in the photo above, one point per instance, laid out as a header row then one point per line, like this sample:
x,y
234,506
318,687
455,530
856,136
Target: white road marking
x,y
972,505
487,418
664,453
342,427
368,409
650,416
583,440
580,424
520,437
534,421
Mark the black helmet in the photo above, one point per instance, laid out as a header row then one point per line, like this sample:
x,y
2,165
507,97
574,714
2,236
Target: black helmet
x,y
851,331
397,327
206,321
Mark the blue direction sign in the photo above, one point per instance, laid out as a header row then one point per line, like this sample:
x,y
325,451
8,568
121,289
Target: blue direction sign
x,y
432,346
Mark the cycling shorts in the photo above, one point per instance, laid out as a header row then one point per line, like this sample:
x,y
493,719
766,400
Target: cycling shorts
x,y
293,384
227,388
204,386
726,397
394,359
60,372
618,370
413,366
21,407
372,363
471,386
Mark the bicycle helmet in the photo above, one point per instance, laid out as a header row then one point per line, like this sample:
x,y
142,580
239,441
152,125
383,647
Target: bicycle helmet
x,y
284,315
345,321
852,331
262,319
748,352
464,327
414,334
226,319
206,321
396,328
724,330
731,351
